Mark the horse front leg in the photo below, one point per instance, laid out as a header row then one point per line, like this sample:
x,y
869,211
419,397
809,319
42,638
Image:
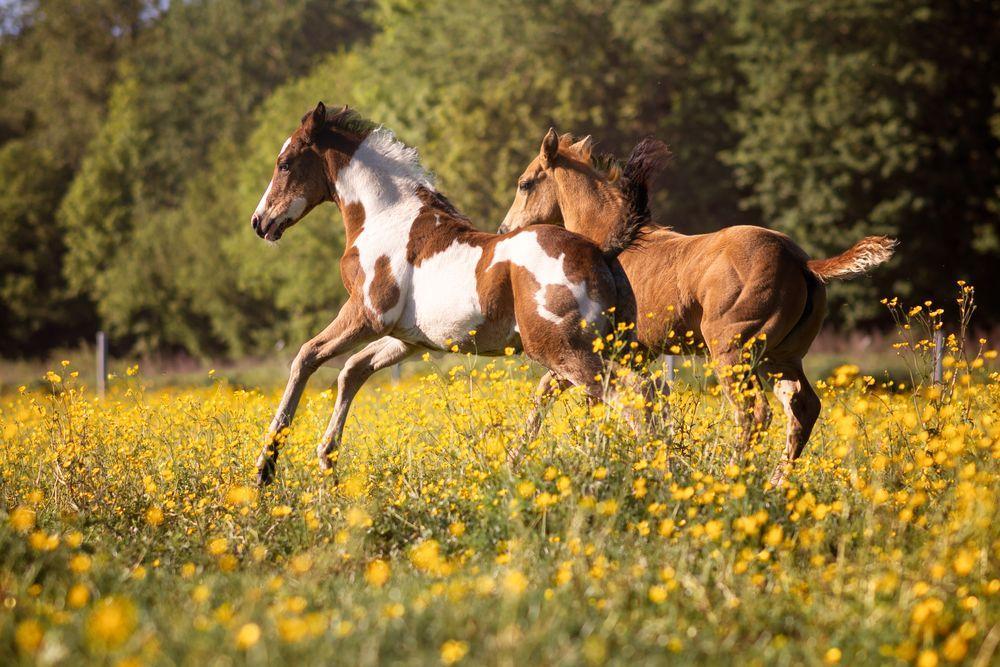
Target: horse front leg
x,y
378,355
347,330
548,389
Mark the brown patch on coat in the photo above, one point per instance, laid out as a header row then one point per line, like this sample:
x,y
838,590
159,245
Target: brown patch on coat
x,y
580,261
383,291
436,227
351,272
559,300
354,221
496,296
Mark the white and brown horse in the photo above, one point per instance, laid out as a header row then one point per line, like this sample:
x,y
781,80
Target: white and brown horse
x,y
420,276
727,287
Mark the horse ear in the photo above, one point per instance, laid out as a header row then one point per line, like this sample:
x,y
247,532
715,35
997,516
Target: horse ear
x,y
584,147
550,148
315,120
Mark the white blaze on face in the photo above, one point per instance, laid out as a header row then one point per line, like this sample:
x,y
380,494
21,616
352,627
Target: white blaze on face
x,y
524,250
262,204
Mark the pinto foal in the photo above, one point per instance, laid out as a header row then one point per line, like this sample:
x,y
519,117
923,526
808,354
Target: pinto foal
x,y
420,276
728,287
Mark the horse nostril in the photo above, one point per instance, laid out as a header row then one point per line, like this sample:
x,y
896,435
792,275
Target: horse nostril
x,y
255,222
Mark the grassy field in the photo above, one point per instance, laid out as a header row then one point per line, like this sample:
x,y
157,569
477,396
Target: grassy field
x,y
130,532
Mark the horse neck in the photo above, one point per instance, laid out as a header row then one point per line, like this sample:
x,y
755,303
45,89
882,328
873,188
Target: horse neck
x,y
378,193
590,209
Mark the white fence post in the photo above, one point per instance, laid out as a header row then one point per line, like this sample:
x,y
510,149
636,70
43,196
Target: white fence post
x,y
670,367
938,376
102,363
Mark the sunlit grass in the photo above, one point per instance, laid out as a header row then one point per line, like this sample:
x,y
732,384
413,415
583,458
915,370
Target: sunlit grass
x,y
130,531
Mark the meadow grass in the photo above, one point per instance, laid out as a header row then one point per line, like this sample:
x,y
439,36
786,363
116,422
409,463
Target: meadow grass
x,y
130,532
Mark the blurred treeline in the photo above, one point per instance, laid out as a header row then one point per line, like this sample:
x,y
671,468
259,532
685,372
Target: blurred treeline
x,y
137,136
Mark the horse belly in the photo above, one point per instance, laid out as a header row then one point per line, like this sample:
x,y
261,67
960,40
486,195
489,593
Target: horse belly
x,y
443,304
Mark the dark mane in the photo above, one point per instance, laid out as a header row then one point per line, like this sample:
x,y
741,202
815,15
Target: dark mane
x,y
435,199
608,165
347,120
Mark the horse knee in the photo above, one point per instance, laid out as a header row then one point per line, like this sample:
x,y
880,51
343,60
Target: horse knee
x,y
307,360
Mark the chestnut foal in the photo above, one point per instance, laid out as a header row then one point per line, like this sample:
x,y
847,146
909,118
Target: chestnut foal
x,y
420,276
727,287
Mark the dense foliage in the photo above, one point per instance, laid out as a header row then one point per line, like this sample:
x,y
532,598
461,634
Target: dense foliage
x,y
136,136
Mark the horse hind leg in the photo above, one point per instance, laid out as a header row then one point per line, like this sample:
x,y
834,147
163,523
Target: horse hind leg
x,y
802,407
546,393
741,392
359,367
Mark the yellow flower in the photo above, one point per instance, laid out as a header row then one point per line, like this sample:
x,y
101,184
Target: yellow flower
x,y
42,541
377,573
247,635
154,516
393,610
357,517
514,583
78,596
200,593
293,629
300,564
240,495
964,561
80,563
774,536
28,636
22,519
832,656
452,651
927,658
955,648
713,529
457,529
111,623
218,546
657,594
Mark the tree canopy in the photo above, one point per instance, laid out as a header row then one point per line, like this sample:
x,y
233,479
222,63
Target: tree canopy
x,y
136,137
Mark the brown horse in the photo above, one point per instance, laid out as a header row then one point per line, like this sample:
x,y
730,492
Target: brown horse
x,y
728,287
420,276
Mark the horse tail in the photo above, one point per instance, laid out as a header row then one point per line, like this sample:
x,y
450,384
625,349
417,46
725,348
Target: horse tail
x,y
857,260
648,158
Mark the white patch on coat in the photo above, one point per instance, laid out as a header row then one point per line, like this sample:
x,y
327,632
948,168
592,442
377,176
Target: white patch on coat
x,y
384,175
444,304
525,251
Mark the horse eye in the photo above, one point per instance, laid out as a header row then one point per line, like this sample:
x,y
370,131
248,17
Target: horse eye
x,y
283,166
525,186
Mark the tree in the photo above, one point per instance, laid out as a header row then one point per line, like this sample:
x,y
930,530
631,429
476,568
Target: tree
x,y
873,118
185,100
35,313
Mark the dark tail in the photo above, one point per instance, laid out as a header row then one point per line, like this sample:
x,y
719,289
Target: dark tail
x,y
861,257
648,158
